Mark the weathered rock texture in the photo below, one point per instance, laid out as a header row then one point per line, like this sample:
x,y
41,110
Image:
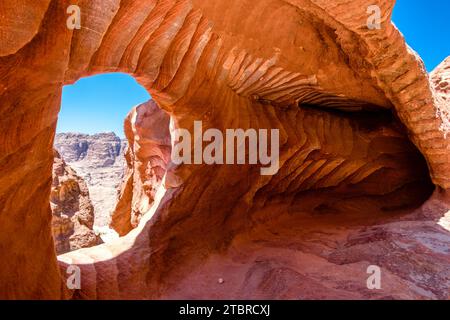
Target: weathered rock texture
x,y
362,134
73,213
440,82
147,131
99,160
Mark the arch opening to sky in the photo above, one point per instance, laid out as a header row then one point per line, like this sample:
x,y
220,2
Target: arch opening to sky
x,y
99,103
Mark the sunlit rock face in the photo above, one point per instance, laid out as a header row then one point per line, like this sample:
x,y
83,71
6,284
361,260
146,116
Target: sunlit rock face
x,y
440,82
147,131
72,210
363,143
100,160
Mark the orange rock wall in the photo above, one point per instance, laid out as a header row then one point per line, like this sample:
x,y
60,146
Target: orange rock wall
x,y
231,64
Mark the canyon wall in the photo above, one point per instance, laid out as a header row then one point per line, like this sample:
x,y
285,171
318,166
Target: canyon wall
x,y
147,131
72,209
100,160
363,144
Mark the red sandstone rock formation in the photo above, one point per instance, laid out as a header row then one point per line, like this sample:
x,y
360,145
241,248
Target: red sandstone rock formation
x,y
363,137
73,213
147,131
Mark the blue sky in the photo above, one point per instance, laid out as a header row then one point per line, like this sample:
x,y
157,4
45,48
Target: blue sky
x,y
426,27
100,103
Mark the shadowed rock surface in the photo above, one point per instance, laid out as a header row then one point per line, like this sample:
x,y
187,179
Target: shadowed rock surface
x,y
363,145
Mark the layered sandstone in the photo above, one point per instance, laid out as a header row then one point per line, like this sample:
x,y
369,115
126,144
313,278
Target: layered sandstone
x,y
363,141
72,210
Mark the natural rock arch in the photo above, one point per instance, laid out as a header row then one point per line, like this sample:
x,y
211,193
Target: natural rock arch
x,y
203,60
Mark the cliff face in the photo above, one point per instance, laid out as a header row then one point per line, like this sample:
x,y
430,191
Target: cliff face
x,y
147,131
363,144
99,160
72,210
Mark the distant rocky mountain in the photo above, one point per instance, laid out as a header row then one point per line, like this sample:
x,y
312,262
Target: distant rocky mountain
x,y
99,150
99,160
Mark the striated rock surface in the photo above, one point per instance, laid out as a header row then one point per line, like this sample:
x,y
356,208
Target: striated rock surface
x,y
100,160
327,254
147,131
363,144
72,210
